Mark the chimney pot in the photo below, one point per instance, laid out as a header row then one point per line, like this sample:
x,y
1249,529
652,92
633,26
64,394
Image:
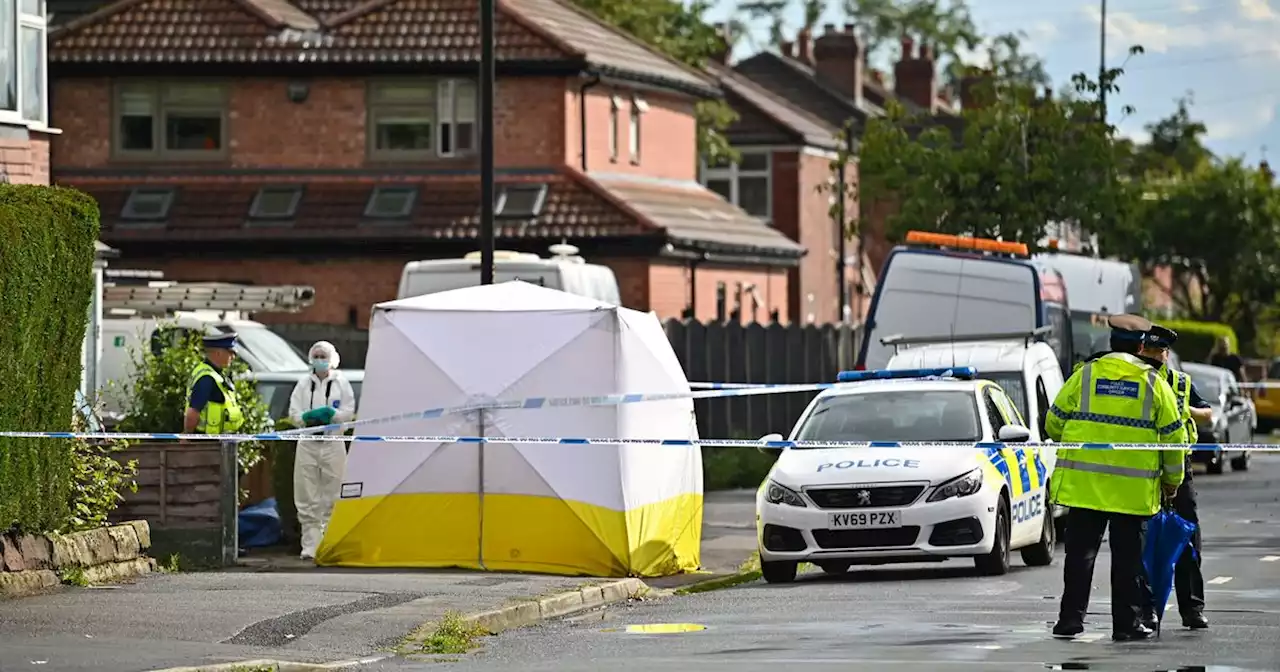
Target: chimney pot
x,y
848,28
926,51
908,48
804,46
829,28
787,49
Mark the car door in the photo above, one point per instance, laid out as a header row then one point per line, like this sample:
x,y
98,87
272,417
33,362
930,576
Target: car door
x,y
1239,423
1023,473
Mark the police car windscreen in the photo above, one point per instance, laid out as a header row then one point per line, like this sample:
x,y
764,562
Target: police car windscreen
x,y
895,416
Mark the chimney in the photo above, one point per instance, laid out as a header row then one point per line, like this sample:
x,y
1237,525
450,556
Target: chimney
x,y
787,49
804,47
721,53
975,88
914,76
839,62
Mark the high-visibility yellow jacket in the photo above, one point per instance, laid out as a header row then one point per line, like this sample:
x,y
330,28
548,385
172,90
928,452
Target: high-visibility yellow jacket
x,y
1117,398
216,418
1181,384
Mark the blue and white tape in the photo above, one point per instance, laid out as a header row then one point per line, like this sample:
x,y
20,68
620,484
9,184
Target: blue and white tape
x,y
605,441
534,403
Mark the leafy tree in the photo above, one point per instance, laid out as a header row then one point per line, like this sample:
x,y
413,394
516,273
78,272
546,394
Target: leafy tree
x,y
1176,145
679,31
1011,166
155,397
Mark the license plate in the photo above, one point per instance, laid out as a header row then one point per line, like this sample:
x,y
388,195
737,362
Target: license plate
x,y
865,519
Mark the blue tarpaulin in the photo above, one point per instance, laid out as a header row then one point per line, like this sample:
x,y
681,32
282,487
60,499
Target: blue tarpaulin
x,y
260,524
1168,534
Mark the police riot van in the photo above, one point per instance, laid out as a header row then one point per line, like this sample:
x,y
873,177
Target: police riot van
x,y
939,285
565,271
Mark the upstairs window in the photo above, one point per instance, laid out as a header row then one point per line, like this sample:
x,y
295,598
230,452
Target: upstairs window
x,y
746,184
23,56
638,108
391,203
179,120
615,105
147,205
422,119
276,203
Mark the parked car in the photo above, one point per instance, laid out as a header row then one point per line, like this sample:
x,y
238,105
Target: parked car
x,y
276,387
1233,416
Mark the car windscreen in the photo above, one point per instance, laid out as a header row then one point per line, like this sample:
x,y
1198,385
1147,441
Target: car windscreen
x,y
269,348
1013,386
1209,386
907,415
275,395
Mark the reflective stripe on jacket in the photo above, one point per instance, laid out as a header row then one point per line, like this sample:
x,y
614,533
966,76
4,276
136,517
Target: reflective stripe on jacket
x,y
216,418
1116,398
1181,385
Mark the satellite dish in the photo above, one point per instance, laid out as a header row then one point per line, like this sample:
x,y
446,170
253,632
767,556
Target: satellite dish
x,y
563,250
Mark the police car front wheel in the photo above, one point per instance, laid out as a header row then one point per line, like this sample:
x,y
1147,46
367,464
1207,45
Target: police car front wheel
x,y
996,563
779,571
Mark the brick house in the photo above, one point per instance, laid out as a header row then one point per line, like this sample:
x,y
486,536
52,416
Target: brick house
x,y
815,87
24,99
328,142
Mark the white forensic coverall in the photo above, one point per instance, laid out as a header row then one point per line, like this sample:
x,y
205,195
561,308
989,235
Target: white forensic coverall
x,y
319,465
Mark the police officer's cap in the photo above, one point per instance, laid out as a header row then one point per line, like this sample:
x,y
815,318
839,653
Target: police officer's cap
x,y
1161,337
225,341
1129,327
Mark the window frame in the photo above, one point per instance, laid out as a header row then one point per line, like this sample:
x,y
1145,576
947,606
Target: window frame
x,y
256,216
635,139
158,152
442,90
127,215
38,22
615,106
403,216
734,172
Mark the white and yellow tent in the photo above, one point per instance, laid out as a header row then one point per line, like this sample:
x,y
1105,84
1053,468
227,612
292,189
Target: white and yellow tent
x,y
596,510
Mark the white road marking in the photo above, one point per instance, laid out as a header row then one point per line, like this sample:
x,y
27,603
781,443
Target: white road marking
x,y
1270,558
990,647
1218,580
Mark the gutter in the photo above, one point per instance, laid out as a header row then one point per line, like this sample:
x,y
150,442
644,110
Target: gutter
x,y
582,114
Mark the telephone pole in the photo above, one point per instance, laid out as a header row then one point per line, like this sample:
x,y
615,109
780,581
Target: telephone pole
x,y
488,198
1102,63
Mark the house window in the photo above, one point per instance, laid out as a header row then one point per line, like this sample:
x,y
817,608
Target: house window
x,y
391,202
615,104
638,107
171,119
23,55
275,203
520,201
147,204
745,184
422,119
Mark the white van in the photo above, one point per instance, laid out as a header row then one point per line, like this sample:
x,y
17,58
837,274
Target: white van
x,y
941,285
1098,288
564,271
1028,372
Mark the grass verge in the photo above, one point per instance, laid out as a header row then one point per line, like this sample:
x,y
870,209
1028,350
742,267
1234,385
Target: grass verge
x,y
452,635
747,572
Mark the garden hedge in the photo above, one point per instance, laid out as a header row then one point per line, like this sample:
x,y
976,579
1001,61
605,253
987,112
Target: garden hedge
x,y
47,247
1196,339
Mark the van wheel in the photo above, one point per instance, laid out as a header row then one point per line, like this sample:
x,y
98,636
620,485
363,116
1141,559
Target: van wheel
x,y
996,563
1216,464
1040,554
1240,463
779,572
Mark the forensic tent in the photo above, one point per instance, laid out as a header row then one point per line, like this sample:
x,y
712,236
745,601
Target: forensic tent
x,y
596,510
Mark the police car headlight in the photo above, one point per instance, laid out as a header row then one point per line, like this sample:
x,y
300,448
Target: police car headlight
x,y
776,494
961,486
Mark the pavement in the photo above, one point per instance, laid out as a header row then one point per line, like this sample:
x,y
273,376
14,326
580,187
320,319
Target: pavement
x,y
933,617
285,610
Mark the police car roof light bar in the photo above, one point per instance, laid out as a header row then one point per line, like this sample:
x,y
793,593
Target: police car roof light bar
x,y
959,372
898,340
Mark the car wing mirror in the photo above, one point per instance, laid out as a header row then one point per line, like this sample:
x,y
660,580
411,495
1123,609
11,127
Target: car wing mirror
x,y
1014,434
766,439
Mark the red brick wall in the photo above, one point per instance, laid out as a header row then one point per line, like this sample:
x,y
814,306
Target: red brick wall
x,y
668,134
327,130
25,161
802,211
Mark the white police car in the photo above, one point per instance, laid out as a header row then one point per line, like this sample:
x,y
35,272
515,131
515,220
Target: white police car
x,y
836,507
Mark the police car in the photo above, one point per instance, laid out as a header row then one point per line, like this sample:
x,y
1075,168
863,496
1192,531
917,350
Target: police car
x,y
837,507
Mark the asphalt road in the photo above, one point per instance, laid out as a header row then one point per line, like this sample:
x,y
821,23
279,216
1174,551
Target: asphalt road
x,y
938,616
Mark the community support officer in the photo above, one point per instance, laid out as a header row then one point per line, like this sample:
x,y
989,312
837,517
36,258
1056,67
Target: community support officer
x,y
211,400
1187,575
322,398
1115,398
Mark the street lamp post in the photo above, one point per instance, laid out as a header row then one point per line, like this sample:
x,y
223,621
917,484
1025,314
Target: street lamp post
x,y
488,197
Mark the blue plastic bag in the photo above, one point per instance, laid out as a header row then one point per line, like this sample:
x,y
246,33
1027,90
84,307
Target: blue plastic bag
x,y
260,525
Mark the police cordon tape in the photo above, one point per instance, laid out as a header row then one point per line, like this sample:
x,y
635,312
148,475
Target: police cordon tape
x,y
603,441
1269,384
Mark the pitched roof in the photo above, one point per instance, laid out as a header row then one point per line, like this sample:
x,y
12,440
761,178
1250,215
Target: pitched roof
x,y
794,121
789,79
446,208
388,32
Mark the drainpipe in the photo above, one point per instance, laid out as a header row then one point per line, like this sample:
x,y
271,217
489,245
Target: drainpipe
x,y
582,112
842,287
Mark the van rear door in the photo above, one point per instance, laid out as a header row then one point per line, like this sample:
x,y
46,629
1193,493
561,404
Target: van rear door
x,y
925,293
452,274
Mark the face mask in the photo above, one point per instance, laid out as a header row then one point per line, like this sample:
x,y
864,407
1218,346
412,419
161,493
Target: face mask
x,y
319,365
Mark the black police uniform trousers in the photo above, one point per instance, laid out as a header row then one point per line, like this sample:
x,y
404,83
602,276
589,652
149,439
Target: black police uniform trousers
x,y
1187,577
1129,595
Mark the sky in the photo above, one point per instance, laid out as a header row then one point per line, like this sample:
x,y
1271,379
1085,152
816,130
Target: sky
x,y
1225,54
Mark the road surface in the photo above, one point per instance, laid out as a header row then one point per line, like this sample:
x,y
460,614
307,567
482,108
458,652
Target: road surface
x,y
939,617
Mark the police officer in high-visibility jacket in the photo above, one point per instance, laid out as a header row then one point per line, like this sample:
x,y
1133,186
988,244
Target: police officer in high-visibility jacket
x,y
1187,575
1115,398
211,398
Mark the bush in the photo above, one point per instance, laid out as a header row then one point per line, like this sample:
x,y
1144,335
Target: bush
x,y
155,396
47,238
98,477
1196,339
733,468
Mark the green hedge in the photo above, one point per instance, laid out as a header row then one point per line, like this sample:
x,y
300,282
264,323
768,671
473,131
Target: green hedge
x,y
1196,339
47,238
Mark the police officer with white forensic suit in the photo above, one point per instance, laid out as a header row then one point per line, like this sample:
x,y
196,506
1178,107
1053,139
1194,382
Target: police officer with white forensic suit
x,y
325,397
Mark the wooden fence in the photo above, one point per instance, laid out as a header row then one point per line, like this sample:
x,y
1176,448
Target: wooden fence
x,y
756,353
